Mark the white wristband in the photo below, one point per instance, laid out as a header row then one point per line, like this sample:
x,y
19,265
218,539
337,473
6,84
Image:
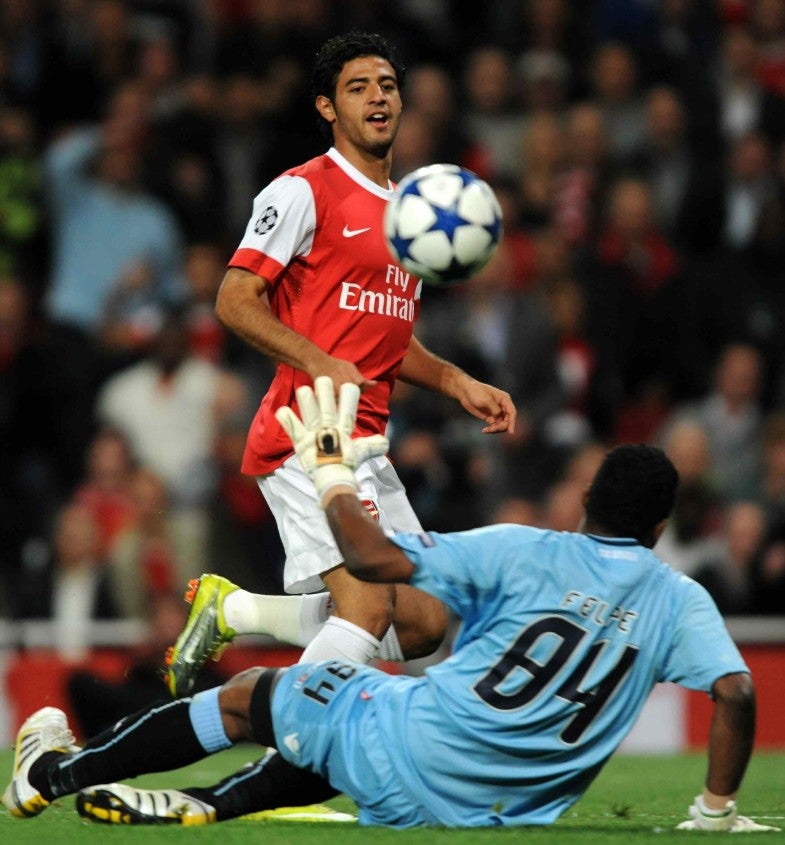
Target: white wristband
x,y
708,819
331,475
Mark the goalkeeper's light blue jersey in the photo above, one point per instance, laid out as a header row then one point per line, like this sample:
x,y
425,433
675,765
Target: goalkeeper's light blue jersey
x,y
563,637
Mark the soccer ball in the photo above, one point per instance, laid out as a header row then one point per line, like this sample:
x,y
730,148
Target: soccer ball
x,y
443,223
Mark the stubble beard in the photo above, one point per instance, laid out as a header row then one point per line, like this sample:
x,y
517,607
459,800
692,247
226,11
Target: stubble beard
x,y
380,150
378,147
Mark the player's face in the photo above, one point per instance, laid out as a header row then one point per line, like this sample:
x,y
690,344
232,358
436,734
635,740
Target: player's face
x,y
366,110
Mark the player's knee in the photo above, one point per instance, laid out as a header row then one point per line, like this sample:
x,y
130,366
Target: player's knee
x,y
370,609
375,619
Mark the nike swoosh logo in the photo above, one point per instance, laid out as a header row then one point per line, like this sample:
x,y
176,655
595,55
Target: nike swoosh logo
x,y
350,233
292,743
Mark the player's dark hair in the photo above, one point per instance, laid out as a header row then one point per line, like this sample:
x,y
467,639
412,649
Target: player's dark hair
x,y
336,52
634,490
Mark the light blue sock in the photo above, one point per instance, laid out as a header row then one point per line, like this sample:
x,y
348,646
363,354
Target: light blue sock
x,y
205,713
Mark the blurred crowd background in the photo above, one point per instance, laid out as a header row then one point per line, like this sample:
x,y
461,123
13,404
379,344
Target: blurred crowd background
x,y
638,150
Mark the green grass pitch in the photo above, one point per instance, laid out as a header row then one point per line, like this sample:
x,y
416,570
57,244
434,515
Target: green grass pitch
x,y
637,799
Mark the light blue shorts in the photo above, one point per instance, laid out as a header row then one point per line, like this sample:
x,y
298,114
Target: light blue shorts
x,y
324,716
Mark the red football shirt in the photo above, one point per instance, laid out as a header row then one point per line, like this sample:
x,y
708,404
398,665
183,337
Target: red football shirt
x,y
316,233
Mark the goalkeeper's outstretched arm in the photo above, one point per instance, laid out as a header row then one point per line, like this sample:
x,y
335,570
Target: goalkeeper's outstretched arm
x,y
367,552
323,442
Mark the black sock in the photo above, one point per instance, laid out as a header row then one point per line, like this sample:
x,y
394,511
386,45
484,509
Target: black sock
x,y
268,783
156,739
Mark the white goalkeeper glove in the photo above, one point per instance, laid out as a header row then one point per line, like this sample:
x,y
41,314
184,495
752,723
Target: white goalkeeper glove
x,y
323,440
727,819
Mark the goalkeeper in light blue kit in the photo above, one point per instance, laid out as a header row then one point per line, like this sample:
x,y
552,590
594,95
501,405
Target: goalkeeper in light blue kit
x,y
563,637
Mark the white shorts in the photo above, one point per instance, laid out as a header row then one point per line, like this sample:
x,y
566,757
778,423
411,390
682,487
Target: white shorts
x,y
307,540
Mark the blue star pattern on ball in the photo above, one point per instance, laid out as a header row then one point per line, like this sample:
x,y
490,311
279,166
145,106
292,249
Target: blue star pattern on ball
x,y
443,223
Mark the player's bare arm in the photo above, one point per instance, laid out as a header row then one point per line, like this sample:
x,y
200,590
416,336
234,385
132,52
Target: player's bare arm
x,y
730,738
322,439
494,406
242,306
367,553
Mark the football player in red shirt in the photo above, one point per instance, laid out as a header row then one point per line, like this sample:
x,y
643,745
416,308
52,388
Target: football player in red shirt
x,y
313,286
